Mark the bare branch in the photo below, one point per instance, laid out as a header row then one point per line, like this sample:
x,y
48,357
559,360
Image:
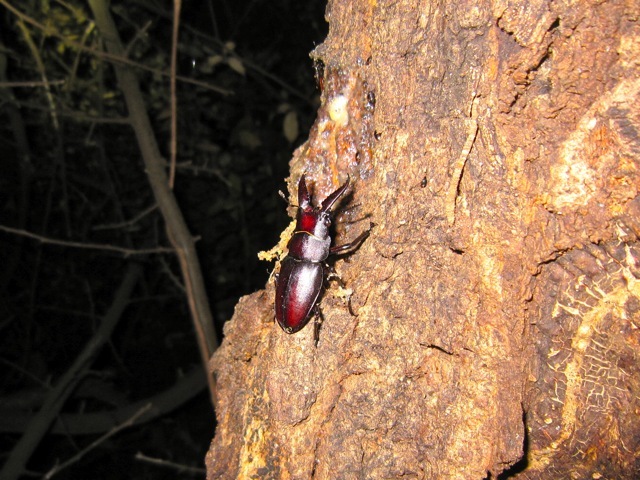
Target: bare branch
x,y
31,84
117,59
166,463
88,246
129,422
56,398
177,229
127,223
173,146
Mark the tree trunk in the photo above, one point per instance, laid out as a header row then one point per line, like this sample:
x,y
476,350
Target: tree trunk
x,y
493,321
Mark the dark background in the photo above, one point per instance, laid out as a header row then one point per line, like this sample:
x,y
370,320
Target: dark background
x,y
71,179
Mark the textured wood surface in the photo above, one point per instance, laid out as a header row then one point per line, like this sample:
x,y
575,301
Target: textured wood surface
x,y
491,319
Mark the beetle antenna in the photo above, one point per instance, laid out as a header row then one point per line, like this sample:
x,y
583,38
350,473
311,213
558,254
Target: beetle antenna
x,y
351,207
288,200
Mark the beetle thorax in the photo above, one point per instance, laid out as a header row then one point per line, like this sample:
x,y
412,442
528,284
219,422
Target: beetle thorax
x,y
314,222
311,241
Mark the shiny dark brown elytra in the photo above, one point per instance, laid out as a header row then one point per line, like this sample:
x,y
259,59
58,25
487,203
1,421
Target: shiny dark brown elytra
x,y
302,272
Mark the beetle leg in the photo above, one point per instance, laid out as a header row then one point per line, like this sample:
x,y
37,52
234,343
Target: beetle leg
x,y
344,292
318,318
332,274
351,246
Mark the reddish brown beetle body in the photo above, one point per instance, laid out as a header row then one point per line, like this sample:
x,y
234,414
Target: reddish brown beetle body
x,y
301,276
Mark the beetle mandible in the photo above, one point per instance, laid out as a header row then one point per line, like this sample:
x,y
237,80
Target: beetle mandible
x,y
301,276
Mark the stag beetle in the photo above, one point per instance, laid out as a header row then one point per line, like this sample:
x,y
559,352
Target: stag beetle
x,y
301,275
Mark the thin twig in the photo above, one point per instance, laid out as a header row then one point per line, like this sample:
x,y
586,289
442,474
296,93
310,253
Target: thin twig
x,y
76,61
56,398
78,456
166,463
118,59
215,40
172,278
26,373
31,84
88,246
127,223
185,388
176,226
35,52
173,146
80,117
63,112
140,34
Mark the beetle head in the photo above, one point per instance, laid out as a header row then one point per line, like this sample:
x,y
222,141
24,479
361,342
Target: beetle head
x,y
316,220
304,197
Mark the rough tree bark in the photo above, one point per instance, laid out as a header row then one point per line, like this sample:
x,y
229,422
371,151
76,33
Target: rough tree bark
x,y
493,321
